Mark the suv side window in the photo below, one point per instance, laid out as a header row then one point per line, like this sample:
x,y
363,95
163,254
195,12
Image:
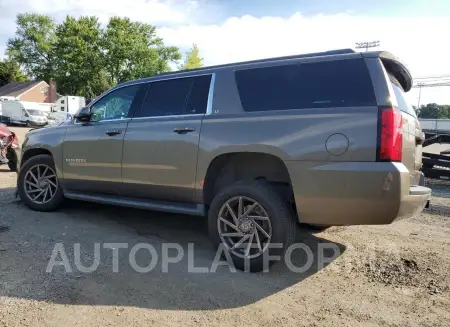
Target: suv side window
x,y
114,105
198,97
166,98
327,84
403,103
181,96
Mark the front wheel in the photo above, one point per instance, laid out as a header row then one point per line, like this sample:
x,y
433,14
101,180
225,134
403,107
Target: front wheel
x,y
252,222
38,184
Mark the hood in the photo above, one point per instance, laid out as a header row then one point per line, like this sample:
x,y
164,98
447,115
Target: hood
x,y
37,129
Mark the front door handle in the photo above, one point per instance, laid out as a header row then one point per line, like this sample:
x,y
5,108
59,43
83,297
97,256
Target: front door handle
x,y
184,130
114,132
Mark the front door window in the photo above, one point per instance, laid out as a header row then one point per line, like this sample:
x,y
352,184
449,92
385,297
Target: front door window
x,y
114,105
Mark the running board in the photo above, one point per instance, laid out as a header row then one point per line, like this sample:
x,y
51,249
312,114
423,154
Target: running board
x,y
163,206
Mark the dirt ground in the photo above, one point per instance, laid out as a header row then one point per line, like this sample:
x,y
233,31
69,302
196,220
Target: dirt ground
x,y
396,275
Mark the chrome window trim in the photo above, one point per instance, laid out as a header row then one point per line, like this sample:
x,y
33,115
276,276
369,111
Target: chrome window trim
x,y
210,95
101,121
169,116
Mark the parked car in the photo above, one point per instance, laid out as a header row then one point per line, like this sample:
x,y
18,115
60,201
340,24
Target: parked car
x,y
325,139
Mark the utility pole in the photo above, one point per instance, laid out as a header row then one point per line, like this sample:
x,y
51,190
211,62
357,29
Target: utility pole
x,y
366,45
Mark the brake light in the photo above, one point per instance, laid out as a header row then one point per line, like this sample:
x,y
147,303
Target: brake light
x,y
390,135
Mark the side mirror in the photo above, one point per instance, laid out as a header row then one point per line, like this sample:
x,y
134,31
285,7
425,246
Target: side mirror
x,y
84,115
26,115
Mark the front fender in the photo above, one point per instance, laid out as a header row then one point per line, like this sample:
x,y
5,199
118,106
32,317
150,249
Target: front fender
x,y
45,141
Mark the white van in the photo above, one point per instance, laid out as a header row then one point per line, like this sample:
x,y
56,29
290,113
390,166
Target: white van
x,y
66,106
24,113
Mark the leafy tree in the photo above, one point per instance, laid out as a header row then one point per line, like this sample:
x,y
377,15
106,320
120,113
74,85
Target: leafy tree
x,y
132,50
32,45
192,60
10,72
79,60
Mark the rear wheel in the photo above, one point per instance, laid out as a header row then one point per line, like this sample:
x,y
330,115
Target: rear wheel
x,y
252,221
38,184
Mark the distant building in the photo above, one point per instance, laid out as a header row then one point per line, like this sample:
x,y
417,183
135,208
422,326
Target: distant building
x,y
35,91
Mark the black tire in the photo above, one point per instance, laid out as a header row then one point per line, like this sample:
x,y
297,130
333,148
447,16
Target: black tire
x,y
12,164
28,124
57,199
281,218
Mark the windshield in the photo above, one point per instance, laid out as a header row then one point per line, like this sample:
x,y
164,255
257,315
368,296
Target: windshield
x,y
34,112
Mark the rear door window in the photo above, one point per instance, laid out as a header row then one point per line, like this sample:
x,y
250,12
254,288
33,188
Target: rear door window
x,y
338,83
166,98
181,96
198,97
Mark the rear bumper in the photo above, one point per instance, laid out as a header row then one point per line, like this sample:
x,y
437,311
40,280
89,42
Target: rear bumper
x,y
415,202
354,193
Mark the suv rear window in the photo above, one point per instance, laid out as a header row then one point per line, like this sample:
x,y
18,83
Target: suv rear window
x,y
339,83
403,103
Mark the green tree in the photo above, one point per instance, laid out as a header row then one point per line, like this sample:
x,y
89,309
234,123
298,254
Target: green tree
x,y
434,111
79,61
32,45
10,72
85,59
192,60
132,50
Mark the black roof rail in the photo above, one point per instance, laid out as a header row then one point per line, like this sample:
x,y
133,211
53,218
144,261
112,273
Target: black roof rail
x,y
306,55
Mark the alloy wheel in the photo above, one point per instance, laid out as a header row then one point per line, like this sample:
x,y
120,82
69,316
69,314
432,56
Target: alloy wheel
x,y
41,183
244,227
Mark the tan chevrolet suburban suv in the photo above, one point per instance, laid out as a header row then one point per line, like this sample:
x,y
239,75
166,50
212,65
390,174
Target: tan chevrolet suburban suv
x,y
324,138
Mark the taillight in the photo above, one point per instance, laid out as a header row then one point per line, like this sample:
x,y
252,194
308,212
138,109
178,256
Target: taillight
x,y
390,135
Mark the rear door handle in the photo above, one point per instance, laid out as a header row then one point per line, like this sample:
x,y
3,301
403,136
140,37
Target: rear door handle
x,y
184,130
114,132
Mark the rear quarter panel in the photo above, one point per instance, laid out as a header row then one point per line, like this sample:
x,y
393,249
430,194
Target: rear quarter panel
x,y
306,135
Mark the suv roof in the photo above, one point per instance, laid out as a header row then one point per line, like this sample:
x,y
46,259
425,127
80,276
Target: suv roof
x,y
305,55
393,65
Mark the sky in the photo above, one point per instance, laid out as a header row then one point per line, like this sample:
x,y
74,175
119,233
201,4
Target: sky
x,y
235,30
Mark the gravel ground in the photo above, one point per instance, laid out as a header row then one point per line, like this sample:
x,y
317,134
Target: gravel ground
x,y
394,275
